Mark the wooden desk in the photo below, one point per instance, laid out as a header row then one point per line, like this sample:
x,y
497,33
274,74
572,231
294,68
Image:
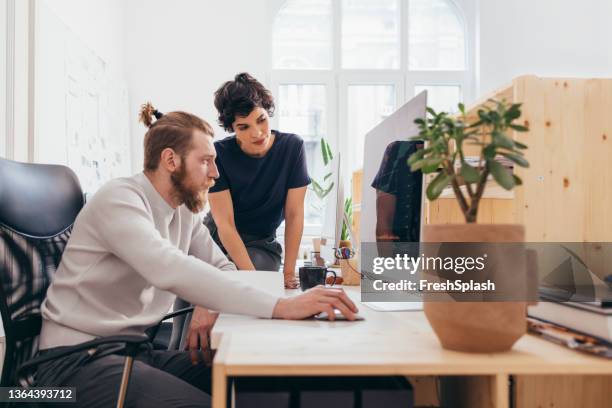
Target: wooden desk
x,y
386,343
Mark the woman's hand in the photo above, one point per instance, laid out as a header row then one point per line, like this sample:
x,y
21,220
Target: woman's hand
x,y
291,282
198,336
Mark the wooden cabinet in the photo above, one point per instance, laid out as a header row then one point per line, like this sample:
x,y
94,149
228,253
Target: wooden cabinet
x,y
567,189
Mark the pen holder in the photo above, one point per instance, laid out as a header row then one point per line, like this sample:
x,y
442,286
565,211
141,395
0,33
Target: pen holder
x,y
350,274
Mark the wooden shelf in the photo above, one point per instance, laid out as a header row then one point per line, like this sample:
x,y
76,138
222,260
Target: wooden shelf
x,y
564,196
492,190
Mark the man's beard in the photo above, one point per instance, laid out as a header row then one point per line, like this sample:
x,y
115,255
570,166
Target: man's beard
x,y
193,198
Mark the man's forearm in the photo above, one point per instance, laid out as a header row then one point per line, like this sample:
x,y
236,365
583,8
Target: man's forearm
x,y
294,227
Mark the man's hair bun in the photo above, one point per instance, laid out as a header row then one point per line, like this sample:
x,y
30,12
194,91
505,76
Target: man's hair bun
x,y
147,112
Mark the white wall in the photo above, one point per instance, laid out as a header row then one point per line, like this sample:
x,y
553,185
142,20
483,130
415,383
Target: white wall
x,y
179,53
3,97
100,26
544,37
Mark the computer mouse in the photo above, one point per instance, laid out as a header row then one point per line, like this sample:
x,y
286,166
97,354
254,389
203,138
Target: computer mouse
x,y
338,316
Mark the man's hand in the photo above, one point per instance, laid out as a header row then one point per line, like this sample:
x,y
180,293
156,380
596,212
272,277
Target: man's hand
x,y
291,282
198,336
314,301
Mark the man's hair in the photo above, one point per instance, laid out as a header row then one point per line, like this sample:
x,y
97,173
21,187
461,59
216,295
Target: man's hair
x,y
239,97
170,130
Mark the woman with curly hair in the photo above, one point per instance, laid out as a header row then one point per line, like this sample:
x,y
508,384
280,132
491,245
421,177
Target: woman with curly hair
x,y
263,181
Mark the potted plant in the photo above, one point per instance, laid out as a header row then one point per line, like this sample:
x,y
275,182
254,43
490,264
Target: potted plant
x,y
348,266
348,215
322,188
478,326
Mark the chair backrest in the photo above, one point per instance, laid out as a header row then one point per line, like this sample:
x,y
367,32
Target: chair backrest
x,y
38,205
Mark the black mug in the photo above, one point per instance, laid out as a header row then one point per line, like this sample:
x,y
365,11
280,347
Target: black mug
x,y
311,276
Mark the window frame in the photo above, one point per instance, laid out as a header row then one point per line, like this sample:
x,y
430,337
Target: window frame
x,y
338,79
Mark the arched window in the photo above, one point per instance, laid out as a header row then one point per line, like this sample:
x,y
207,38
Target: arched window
x,y
436,36
302,36
342,66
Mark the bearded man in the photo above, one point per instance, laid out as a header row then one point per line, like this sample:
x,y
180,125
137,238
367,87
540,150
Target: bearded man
x,y
136,245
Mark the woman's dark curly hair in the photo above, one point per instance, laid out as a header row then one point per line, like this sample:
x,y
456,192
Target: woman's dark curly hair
x,y
239,97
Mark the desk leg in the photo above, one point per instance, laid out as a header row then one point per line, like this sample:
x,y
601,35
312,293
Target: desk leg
x,y
219,387
501,391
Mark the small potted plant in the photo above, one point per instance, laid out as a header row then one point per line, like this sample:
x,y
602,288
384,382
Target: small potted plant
x,y
322,188
348,264
345,241
478,326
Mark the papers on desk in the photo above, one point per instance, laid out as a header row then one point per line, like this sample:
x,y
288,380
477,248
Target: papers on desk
x,y
394,306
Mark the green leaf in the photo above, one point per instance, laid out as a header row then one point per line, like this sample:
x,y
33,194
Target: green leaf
x,y
328,175
514,112
427,165
489,152
437,185
324,152
517,180
519,145
502,175
432,165
470,174
417,165
461,108
316,187
519,128
329,151
416,156
502,140
494,116
484,116
520,160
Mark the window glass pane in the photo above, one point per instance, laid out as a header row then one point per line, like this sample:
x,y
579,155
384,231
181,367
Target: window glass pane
x,y
302,35
301,110
435,36
441,97
368,105
370,34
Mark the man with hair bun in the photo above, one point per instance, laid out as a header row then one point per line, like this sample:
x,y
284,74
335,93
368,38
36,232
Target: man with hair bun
x,y
138,243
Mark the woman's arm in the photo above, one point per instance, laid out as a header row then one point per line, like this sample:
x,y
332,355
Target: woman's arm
x,y
294,227
222,210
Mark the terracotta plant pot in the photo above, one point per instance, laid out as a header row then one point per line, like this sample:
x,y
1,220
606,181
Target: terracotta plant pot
x,y
480,326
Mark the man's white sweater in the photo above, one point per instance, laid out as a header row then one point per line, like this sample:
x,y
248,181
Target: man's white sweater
x,y
130,254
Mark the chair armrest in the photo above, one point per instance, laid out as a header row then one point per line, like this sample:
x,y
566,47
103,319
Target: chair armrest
x,y
132,340
178,313
152,331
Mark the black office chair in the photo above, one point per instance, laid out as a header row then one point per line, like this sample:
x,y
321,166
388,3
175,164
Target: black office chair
x,y
38,206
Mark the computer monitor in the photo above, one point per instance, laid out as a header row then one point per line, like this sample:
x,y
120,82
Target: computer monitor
x,y
334,210
392,195
392,209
